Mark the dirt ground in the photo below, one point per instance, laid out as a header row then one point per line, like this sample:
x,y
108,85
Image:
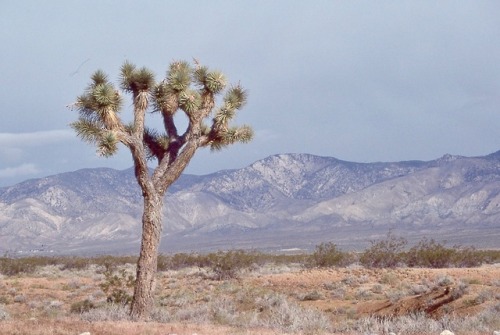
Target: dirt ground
x,y
390,291
40,304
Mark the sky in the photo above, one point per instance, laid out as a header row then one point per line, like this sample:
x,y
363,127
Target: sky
x,y
362,81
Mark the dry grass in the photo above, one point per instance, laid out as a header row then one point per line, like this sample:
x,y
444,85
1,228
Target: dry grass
x,y
267,299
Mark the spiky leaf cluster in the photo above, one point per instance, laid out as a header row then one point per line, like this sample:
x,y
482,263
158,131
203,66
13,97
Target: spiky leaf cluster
x,y
108,144
136,80
243,134
234,99
192,90
98,108
179,76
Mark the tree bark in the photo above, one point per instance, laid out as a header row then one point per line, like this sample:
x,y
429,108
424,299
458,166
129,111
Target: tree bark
x,y
143,301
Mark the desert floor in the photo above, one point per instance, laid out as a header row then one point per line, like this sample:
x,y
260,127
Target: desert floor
x,y
270,299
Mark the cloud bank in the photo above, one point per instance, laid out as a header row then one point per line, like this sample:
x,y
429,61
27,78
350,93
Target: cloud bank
x,y
35,138
19,171
19,150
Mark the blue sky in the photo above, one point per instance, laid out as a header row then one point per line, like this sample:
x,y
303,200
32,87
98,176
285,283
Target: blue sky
x,y
362,81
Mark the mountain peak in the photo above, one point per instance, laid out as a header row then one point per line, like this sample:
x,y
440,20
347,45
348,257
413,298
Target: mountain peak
x,y
287,199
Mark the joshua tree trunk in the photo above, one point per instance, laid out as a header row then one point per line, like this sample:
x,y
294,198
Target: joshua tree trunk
x,y
143,301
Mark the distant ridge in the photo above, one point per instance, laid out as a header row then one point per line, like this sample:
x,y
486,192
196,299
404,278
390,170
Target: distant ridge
x,y
282,201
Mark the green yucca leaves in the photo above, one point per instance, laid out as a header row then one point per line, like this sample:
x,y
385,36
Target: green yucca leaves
x,y
230,136
136,80
236,97
189,101
99,78
215,81
108,144
88,130
179,76
200,75
106,96
144,79
192,89
223,116
244,134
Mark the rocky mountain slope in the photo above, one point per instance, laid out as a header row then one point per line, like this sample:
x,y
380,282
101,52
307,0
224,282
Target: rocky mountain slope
x,y
283,201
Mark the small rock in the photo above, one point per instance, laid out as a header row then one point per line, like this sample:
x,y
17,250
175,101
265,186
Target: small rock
x,y
447,332
496,332
86,333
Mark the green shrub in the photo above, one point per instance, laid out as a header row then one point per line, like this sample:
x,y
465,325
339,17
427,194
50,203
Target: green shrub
x,y
117,285
82,306
74,263
11,266
111,263
180,261
226,265
490,256
387,253
245,258
430,254
328,255
466,257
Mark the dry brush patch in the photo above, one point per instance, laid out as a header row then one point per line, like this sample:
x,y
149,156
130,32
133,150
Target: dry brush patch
x,y
263,299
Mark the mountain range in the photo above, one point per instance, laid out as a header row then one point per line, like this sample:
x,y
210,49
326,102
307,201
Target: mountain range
x,y
283,202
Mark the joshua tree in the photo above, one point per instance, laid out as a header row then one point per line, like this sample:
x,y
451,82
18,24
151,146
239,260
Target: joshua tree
x,y
189,89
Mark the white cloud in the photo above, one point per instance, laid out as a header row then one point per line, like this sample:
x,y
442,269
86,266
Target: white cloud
x,y
36,138
21,170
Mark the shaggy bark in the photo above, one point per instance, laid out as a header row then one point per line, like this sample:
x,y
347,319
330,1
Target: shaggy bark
x,y
143,301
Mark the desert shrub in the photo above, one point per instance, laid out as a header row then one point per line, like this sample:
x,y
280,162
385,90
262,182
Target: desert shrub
x,y
3,313
490,256
111,263
387,253
394,296
82,306
312,296
431,254
108,312
117,286
486,322
11,266
226,265
178,261
363,294
287,259
280,314
328,255
467,257
418,289
483,296
20,298
389,278
74,263
351,281
444,280
377,289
